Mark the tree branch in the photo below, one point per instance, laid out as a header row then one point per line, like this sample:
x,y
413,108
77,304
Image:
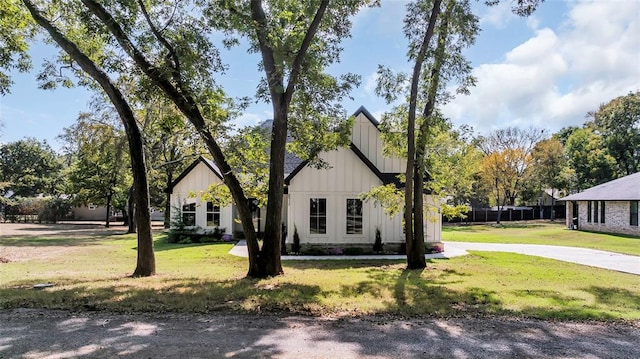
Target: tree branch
x,y
172,53
274,78
302,52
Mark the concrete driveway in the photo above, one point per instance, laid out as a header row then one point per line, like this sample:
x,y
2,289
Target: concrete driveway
x,y
589,257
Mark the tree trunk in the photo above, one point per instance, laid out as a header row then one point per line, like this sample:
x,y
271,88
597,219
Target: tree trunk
x,y
268,261
411,190
132,211
146,257
167,205
108,210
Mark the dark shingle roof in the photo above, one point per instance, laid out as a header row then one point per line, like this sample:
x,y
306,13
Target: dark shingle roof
x,y
622,189
291,161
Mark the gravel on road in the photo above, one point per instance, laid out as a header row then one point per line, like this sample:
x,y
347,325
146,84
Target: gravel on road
x,y
36,333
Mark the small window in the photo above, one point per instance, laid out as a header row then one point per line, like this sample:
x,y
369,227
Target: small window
x,y
633,210
189,214
589,211
602,212
92,207
213,215
318,215
595,211
354,216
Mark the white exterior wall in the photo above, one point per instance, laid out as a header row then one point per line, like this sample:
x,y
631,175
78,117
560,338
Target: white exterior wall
x,y
347,178
367,138
433,219
197,181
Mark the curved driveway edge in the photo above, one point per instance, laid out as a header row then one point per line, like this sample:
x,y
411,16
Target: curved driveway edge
x,y
589,257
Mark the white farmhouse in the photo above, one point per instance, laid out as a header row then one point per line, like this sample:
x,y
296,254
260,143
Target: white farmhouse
x,y
323,205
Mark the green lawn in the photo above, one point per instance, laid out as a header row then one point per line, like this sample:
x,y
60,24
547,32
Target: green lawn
x,y
541,233
92,275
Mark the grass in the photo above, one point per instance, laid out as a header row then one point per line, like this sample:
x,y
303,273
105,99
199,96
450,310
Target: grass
x,y
204,278
542,233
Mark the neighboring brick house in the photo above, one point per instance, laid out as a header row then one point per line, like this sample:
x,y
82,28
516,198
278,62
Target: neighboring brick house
x,y
611,207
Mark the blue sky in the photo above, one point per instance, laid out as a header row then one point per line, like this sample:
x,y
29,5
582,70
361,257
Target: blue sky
x,y
546,71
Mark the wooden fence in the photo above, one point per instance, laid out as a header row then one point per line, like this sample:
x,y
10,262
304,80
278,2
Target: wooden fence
x,y
489,215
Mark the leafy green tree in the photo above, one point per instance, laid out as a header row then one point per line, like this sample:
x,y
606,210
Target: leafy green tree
x,y
297,41
30,167
171,145
508,163
589,160
98,173
82,46
16,30
168,45
436,65
618,122
549,160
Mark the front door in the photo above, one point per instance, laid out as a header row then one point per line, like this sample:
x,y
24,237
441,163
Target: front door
x,y
575,215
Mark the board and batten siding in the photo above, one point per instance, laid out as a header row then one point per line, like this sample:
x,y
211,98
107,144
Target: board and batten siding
x,y
196,181
346,179
367,138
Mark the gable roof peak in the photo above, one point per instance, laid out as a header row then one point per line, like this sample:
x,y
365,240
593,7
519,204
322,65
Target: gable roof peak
x,y
368,115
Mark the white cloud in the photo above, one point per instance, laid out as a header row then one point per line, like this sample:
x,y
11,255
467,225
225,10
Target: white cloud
x,y
251,119
370,83
553,79
498,15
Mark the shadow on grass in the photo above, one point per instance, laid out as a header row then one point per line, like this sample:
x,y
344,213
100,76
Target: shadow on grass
x,y
160,244
389,290
570,307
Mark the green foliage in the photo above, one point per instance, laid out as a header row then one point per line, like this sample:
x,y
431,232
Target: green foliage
x,y
16,30
38,209
618,122
31,167
388,196
589,159
454,211
314,251
295,248
96,147
353,251
377,244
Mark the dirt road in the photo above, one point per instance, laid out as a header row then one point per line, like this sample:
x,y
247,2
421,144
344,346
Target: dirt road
x,y
32,333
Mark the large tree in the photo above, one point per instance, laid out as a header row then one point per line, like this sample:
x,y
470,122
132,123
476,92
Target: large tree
x,y
78,51
30,167
168,44
549,160
98,171
435,65
589,160
618,122
296,41
508,162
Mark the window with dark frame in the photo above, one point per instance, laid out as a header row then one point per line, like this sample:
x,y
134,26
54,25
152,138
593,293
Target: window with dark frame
x,y
595,211
318,215
602,211
589,211
189,214
213,215
354,216
633,213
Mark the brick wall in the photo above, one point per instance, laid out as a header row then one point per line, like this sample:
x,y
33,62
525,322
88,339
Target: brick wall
x,y
616,218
